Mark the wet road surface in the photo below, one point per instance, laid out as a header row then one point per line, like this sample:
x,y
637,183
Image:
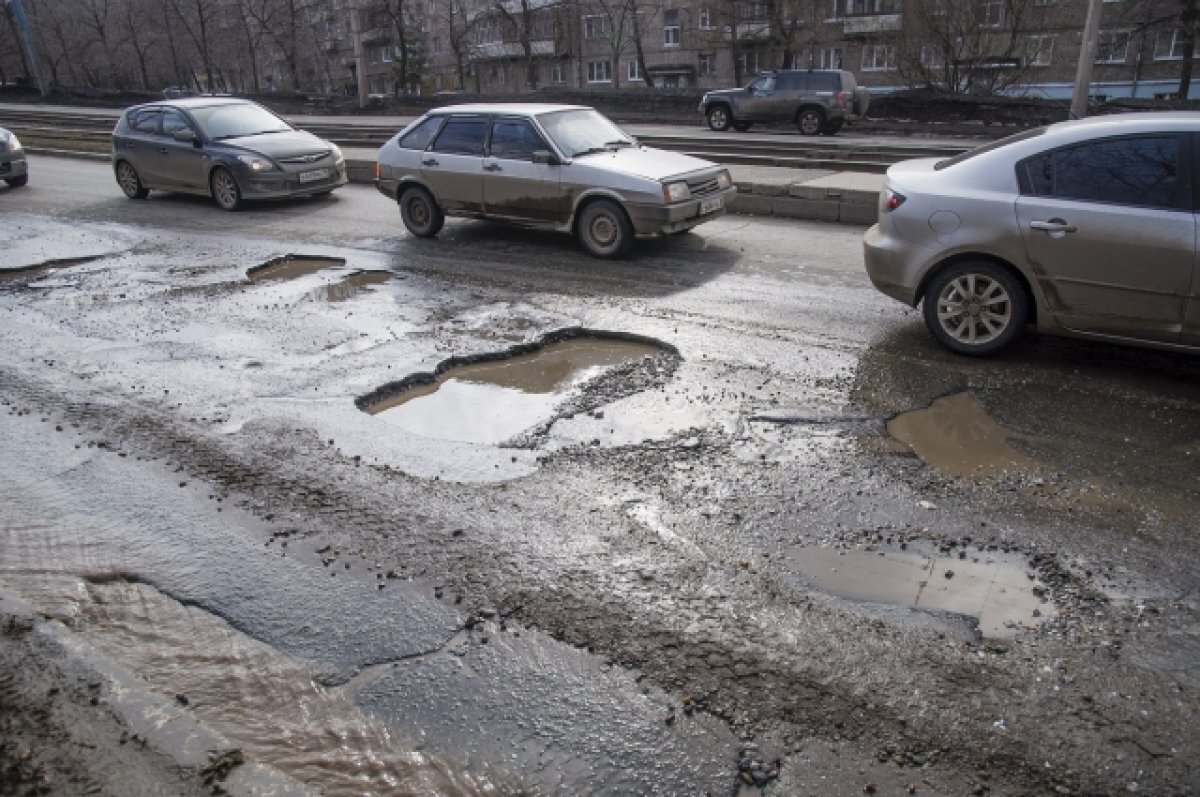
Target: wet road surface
x,y
801,550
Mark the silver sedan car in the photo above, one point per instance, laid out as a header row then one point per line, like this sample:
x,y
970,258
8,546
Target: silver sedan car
x,y
563,167
14,168
1085,228
227,148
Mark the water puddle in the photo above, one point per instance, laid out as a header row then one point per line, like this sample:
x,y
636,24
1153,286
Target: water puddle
x,y
45,269
955,435
999,594
290,267
351,286
489,401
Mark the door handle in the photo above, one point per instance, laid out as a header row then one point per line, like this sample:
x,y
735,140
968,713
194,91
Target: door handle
x,y
162,150
1052,225
429,162
492,167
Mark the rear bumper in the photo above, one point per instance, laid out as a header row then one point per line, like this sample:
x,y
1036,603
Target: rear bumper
x,y
668,219
13,165
886,267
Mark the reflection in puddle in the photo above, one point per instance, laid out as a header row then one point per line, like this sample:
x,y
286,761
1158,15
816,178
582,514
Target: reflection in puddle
x,y
41,270
489,402
291,267
999,594
956,436
351,286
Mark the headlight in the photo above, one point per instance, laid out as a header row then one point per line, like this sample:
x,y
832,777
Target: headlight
x,y
676,192
723,179
336,151
256,163
14,143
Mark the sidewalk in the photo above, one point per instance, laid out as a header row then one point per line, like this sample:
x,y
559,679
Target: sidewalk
x,y
806,194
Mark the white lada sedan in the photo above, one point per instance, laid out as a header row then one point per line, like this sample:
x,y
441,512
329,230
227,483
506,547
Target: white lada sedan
x,y
564,167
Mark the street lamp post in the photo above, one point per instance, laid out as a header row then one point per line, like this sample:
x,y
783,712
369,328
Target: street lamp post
x,y
28,44
1087,56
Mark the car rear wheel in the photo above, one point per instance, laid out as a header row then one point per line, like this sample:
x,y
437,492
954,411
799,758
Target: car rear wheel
x,y
719,118
604,229
131,184
17,182
810,121
225,189
975,308
420,213
742,127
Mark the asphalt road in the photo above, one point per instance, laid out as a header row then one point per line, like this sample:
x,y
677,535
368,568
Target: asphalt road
x,y
749,562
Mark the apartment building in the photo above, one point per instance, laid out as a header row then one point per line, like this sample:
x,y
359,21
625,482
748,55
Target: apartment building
x,y
1028,47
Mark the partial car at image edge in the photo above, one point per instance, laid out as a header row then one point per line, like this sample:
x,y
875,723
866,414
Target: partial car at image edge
x,y
1085,229
230,149
14,166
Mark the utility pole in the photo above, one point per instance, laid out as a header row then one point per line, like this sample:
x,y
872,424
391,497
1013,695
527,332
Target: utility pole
x,y
360,57
1087,56
30,46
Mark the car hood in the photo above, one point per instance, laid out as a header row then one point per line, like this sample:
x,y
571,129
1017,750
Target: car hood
x,y
280,146
654,164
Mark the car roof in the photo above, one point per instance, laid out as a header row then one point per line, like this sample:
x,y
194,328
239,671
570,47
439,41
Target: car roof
x,y
194,102
518,108
1119,123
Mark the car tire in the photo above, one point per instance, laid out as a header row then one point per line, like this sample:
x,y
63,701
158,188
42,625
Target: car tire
x,y
420,213
810,121
17,182
130,182
225,190
719,118
604,230
975,307
742,127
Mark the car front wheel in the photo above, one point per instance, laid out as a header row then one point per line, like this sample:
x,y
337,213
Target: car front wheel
x,y
718,118
17,182
131,184
420,213
225,190
975,308
604,229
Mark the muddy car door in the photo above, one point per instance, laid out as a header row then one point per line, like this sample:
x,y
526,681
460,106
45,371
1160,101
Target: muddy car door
x,y
759,101
514,185
453,166
182,162
137,143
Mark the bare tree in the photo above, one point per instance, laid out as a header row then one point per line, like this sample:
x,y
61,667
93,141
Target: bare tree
x,y
198,20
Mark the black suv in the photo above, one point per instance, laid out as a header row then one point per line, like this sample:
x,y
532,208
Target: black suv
x,y
815,101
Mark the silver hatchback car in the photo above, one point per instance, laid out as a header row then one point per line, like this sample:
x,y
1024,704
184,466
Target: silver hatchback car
x,y
227,148
1086,228
14,167
564,167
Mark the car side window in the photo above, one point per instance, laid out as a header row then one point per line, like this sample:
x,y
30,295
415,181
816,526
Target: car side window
x,y
461,137
824,82
515,139
790,82
765,83
144,121
1137,170
173,122
420,136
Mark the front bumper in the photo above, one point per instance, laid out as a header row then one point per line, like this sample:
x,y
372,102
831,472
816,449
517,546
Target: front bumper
x,y
288,184
13,165
668,219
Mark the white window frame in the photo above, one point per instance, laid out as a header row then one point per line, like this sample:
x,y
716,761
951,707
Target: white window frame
x,y
830,58
991,13
599,71
632,72
1039,49
671,31
745,57
557,73
872,60
932,57
706,64
704,18
1174,49
595,26
1115,36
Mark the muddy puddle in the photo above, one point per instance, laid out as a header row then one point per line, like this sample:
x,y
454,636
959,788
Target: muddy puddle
x,y
999,594
492,401
956,436
8,276
290,267
350,286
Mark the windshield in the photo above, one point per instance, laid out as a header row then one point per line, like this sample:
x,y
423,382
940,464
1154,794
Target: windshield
x,y
578,132
233,121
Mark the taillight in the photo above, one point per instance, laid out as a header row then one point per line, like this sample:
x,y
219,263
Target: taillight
x,y
841,99
376,170
894,200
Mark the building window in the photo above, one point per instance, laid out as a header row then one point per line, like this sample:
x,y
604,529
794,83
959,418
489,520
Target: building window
x,y
749,62
991,13
557,73
705,18
751,12
864,7
386,54
706,64
1038,50
1169,46
932,57
1112,47
670,27
835,9
878,57
595,26
831,58
599,71
437,44
633,70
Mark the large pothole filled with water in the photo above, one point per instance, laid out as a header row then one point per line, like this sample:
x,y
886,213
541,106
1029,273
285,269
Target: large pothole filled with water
x,y
955,435
495,397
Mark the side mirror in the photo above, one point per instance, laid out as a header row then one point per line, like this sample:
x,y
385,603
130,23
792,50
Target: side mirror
x,y
184,136
546,156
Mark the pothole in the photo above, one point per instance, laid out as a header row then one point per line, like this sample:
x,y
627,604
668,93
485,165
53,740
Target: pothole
x,y
351,286
494,397
956,435
1000,594
27,273
290,267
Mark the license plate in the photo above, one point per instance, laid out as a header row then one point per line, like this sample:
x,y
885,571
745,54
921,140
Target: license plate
x,y
315,174
709,205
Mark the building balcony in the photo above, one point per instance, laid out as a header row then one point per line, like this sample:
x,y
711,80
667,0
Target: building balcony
x,y
874,23
376,36
509,50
